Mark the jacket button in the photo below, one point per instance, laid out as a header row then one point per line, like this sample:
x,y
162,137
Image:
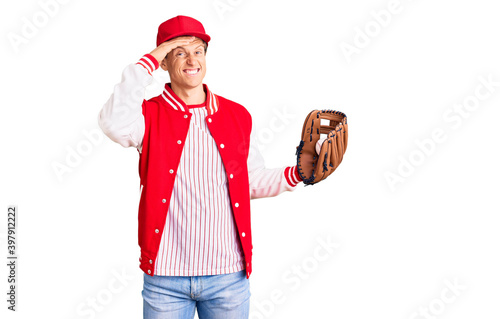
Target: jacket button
x,y
171,171
179,142
222,146
210,120
164,200
157,231
243,234
149,271
150,261
236,205
185,116
230,175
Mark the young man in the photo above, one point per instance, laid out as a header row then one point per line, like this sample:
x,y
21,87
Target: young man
x,y
199,167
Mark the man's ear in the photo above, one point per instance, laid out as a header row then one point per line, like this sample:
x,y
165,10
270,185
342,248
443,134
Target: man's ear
x,y
163,64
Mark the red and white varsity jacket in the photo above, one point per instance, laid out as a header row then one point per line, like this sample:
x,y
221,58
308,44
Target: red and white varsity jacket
x,y
158,128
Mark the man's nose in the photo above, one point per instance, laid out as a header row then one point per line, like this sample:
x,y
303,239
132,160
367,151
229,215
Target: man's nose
x,y
190,60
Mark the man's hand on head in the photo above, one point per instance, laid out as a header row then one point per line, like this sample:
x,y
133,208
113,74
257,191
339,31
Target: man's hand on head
x,y
163,49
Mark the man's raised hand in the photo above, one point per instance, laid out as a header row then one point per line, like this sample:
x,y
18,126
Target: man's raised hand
x,y
163,49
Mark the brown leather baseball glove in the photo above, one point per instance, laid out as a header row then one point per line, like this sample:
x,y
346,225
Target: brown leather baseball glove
x,y
312,166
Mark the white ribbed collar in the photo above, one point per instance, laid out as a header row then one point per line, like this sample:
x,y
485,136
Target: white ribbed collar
x,y
177,104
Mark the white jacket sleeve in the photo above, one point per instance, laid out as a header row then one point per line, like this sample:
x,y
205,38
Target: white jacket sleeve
x,y
121,117
268,182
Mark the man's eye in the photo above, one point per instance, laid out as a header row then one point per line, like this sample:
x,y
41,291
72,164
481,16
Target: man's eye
x,y
180,53
199,52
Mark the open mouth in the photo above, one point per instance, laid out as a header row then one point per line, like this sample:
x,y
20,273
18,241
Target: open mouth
x,y
191,71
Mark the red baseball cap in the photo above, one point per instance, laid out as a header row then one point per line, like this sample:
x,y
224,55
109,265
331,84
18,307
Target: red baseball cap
x,y
179,26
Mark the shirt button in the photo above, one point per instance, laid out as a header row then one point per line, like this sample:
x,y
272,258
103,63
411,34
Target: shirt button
x,y
222,146
149,271
171,171
164,200
243,234
150,261
210,120
230,175
236,205
248,264
157,231
179,142
185,116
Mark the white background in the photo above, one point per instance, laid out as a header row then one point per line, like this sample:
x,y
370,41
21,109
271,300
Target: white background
x,y
397,246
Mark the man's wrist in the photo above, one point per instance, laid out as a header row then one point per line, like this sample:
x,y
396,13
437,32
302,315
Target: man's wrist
x,y
292,175
149,62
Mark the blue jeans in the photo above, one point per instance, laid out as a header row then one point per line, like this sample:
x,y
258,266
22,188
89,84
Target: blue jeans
x,y
177,297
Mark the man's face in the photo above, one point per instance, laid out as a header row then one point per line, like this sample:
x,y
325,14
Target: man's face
x,y
186,64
